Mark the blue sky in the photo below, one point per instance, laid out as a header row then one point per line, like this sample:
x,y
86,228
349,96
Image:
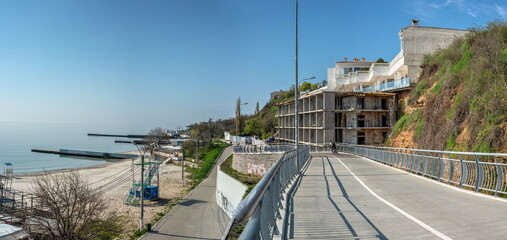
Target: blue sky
x,y
145,64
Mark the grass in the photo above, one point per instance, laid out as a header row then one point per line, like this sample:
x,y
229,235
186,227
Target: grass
x,y
467,84
197,174
205,165
248,179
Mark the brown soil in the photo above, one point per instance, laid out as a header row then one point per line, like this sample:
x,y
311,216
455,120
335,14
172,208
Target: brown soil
x,y
404,140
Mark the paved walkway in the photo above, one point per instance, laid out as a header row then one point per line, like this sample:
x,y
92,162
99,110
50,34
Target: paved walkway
x,y
348,197
197,216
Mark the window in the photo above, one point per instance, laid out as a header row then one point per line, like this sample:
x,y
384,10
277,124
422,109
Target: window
x,y
361,138
385,121
360,103
384,103
360,120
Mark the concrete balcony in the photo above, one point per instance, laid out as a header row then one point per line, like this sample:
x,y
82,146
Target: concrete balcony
x,y
388,86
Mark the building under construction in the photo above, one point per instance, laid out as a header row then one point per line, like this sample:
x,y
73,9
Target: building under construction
x,y
325,116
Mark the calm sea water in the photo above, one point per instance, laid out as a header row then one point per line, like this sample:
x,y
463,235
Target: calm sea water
x,y
17,140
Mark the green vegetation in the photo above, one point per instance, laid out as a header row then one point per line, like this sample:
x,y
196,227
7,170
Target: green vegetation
x,y
306,86
107,229
248,179
407,121
464,87
209,156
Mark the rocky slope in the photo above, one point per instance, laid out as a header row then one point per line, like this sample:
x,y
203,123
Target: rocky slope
x,y
460,101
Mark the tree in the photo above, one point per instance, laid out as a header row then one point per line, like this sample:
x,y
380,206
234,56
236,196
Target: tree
x,y
256,108
380,60
72,208
156,135
239,117
305,86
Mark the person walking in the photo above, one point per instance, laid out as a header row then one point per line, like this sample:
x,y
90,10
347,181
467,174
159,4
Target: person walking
x,y
333,147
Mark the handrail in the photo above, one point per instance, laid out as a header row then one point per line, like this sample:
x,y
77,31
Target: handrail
x,y
260,208
262,148
485,172
431,151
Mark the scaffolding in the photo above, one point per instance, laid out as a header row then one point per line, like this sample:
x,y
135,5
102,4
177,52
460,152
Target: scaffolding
x,y
150,182
14,205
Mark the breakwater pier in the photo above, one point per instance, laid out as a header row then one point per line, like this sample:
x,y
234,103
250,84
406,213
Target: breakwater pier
x,y
90,154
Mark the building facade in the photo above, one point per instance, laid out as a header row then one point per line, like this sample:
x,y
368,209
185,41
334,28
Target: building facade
x,y
325,116
357,106
404,69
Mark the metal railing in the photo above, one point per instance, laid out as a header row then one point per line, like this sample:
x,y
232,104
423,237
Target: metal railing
x,y
260,210
396,84
485,172
262,148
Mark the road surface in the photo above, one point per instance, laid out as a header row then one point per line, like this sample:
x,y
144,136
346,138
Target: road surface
x,y
197,216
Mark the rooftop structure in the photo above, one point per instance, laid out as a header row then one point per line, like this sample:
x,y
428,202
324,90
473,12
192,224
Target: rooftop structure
x,y
404,69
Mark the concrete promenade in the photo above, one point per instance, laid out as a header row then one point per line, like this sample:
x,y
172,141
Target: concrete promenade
x,y
197,216
349,197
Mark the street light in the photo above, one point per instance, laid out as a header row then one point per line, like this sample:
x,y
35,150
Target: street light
x,y
146,149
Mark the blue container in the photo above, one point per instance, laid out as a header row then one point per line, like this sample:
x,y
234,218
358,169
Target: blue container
x,y
150,192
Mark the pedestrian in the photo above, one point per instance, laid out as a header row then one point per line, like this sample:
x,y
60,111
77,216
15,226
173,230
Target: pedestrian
x,y
333,147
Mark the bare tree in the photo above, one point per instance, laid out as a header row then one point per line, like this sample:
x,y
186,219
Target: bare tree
x,y
70,206
156,135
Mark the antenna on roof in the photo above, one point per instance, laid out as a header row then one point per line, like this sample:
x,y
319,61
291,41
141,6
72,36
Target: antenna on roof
x,y
415,22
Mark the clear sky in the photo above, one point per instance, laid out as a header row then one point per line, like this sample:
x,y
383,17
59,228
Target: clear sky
x,y
170,63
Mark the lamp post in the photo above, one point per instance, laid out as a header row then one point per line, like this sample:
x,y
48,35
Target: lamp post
x,y
296,103
182,166
141,218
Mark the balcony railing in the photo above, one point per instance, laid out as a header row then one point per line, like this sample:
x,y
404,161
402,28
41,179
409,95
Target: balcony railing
x,y
396,84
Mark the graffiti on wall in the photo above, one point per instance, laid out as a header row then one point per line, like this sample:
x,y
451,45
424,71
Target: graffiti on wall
x,y
224,203
256,169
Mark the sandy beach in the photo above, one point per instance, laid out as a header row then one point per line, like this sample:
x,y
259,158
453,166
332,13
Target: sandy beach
x,y
115,180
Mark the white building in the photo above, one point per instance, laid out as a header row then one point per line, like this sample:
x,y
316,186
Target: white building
x,y
401,71
353,107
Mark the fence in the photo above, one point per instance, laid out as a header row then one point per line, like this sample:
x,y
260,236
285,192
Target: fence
x,y
485,172
260,210
262,148
396,84
244,140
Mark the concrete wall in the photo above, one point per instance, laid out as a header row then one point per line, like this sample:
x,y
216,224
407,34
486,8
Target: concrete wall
x,y
229,192
417,41
254,163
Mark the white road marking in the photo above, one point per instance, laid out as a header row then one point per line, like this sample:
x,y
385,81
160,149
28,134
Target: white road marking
x,y
419,222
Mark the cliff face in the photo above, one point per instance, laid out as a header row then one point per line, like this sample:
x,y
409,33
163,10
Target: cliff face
x,y
460,101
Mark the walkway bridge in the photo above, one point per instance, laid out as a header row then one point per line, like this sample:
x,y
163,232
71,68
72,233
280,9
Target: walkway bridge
x,y
369,192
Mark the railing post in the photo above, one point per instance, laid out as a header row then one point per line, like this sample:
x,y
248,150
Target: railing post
x,y
478,174
441,165
464,171
451,170
425,164
499,174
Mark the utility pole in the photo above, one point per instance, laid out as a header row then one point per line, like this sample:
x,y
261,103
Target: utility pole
x,y
141,221
197,153
296,102
182,166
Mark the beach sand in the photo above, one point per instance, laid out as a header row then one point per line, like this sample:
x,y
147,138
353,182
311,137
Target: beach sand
x,y
116,180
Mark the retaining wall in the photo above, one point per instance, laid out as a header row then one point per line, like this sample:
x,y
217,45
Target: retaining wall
x,y
254,163
229,192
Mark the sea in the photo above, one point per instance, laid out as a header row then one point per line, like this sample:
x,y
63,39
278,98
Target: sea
x,y
18,139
